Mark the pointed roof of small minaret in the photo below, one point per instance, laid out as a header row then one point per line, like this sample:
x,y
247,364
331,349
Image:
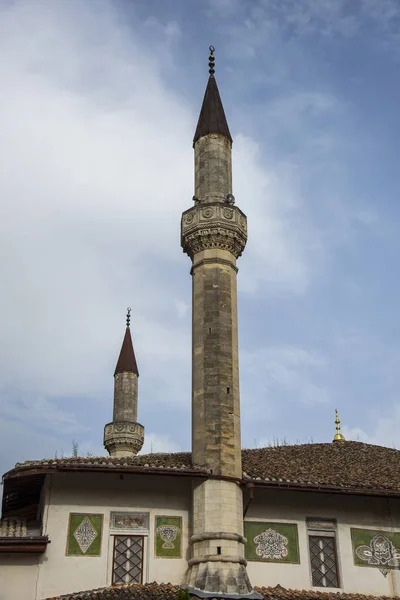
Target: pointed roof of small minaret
x,y
127,360
212,116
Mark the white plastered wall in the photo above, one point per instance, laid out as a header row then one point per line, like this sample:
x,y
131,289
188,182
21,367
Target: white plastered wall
x,y
34,577
350,512
103,493
18,576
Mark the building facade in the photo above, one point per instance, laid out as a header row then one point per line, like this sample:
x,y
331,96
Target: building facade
x,y
288,523
102,522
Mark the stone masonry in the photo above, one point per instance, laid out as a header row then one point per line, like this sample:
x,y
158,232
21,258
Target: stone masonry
x,y
214,234
213,168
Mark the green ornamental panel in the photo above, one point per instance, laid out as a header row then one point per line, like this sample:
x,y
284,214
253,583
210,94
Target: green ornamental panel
x,y
84,534
272,542
372,548
168,537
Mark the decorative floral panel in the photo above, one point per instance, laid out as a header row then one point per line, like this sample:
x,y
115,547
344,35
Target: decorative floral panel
x,y
373,548
129,521
272,542
168,537
84,534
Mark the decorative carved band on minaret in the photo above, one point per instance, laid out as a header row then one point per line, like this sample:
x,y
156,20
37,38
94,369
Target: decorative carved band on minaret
x,y
213,226
124,436
214,235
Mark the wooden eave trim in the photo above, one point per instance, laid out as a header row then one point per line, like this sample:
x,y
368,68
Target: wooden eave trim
x,y
138,470
35,545
307,487
26,472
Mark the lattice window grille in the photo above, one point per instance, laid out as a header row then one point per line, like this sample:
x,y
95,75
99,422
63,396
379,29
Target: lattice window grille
x,y
128,559
323,561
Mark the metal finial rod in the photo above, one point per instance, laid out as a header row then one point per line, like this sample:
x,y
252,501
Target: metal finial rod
x,y
128,317
211,61
339,436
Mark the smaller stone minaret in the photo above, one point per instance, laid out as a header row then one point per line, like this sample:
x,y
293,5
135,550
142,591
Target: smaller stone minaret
x,y
124,436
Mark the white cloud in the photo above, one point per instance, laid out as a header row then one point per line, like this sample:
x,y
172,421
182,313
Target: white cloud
x,y
324,17
21,442
84,208
159,443
281,247
95,178
225,7
39,412
383,429
182,308
287,373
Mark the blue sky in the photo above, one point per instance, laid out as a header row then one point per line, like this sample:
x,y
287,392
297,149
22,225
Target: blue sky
x,y
98,108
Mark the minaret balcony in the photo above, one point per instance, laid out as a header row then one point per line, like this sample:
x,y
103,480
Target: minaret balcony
x,y
213,225
123,438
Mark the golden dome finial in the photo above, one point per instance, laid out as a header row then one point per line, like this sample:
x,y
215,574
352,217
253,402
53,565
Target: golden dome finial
x,y
338,436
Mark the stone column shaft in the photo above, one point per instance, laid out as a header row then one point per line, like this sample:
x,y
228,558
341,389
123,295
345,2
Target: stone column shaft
x,y
215,379
213,168
125,397
214,234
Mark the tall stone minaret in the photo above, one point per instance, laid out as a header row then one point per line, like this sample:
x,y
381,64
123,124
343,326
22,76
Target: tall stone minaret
x,y
214,234
124,436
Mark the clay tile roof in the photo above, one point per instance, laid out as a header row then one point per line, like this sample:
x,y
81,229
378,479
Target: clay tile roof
x,y
280,593
178,461
212,115
147,591
167,591
127,360
345,466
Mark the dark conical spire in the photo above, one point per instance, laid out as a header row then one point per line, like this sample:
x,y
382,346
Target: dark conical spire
x,y
212,116
127,360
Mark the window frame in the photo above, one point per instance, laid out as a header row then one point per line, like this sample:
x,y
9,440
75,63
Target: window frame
x,y
323,528
114,537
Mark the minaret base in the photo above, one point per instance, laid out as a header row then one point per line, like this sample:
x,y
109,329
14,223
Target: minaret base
x,y
225,578
217,567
